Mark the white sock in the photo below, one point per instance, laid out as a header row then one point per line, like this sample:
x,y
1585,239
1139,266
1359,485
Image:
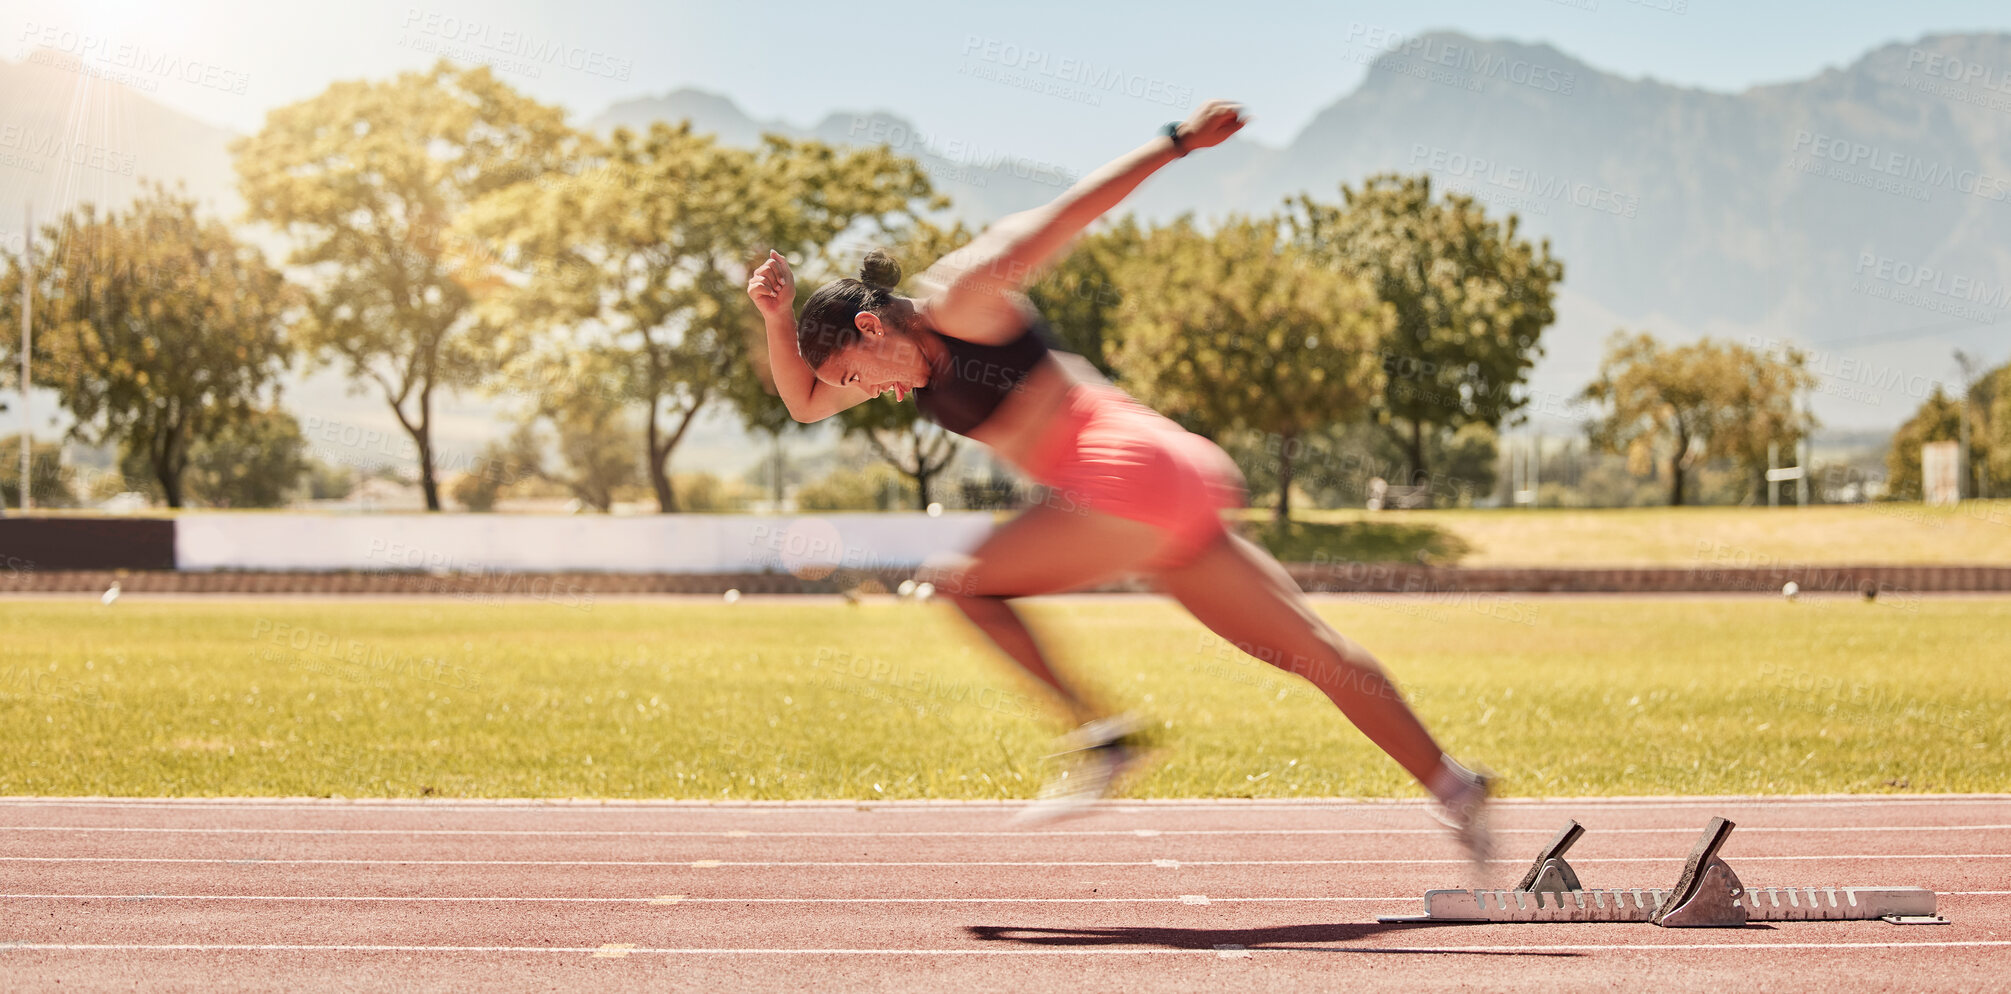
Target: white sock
x,y
1451,780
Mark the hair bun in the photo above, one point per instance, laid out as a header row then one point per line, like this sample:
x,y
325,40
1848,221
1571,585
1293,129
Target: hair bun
x,y
879,269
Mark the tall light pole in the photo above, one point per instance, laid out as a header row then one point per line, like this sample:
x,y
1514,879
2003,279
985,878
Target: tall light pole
x,y
27,346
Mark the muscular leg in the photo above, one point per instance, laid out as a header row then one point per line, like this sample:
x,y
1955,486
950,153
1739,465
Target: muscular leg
x,y
1243,595
1044,550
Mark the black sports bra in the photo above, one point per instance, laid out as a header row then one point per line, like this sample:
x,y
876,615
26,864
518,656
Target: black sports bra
x,y
977,378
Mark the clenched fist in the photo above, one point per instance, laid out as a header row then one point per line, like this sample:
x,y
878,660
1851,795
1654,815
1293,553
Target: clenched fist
x,y
1211,124
773,286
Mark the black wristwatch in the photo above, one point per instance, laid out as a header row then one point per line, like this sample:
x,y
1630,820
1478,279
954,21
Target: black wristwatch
x,y
1172,130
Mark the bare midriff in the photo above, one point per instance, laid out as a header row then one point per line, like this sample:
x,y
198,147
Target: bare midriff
x,y
1015,428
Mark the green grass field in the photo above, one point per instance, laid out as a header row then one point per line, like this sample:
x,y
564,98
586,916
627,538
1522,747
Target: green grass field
x,y
1710,537
778,699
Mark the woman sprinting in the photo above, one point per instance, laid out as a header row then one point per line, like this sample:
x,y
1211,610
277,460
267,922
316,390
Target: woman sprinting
x,y
1131,492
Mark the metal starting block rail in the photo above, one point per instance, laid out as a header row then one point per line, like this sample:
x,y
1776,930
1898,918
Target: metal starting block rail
x,y
1707,895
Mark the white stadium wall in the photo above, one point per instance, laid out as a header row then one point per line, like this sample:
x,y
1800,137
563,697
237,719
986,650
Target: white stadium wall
x,y
477,543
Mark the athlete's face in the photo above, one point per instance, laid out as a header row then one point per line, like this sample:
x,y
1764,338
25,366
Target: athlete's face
x,y
886,357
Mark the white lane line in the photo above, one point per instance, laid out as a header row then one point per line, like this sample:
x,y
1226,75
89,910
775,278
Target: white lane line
x,y
1112,833
1141,805
6,947
682,899
714,864
659,899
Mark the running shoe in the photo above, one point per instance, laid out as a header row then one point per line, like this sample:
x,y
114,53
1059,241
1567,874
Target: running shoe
x,y
1466,814
1093,757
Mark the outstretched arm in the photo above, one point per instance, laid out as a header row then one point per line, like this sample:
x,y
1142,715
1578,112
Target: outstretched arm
x,y
773,290
973,293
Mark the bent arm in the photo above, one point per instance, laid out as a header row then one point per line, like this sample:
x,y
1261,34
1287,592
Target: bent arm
x,y
772,286
808,398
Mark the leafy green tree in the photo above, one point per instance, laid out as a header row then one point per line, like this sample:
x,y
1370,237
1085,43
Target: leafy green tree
x,y
254,462
877,487
1240,329
1471,297
1705,400
368,178
1991,395
155,328
599,446
1654,396
498,466
1762,410
1081,297
1938,419
328,481
640,250
55,483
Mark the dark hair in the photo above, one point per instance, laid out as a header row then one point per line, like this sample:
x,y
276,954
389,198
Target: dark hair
x,y
828,324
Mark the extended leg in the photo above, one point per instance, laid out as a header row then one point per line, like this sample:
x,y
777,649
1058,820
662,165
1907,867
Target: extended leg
x,y
1243,595
1045,550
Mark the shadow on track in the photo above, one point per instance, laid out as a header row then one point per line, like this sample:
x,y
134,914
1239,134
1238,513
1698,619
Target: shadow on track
x,y
1286,937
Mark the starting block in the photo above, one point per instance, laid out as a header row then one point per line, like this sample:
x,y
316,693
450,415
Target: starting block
x,y
1707,895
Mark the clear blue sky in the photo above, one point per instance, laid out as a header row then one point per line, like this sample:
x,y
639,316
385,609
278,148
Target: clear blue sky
x,y
799,61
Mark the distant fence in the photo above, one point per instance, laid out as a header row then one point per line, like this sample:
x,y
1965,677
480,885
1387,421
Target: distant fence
x,y
485,543
504,555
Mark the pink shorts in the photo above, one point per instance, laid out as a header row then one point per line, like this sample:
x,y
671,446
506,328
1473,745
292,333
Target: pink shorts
x,y
1110,454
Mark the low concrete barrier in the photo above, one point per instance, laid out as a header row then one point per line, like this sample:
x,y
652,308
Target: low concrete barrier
x,y
36,544
485,543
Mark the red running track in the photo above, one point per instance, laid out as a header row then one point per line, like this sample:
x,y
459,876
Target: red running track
x,y
207,895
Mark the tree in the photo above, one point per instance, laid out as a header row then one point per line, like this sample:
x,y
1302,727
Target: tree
x,y
368,178
1240,329
1080,296
599,447
1762,414
1653,395
1471,299
254,462
1938,419
1335,466
1707,399
55,483
500,464
641,250
155,328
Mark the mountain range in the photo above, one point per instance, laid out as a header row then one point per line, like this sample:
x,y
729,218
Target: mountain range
x,y
1863,213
